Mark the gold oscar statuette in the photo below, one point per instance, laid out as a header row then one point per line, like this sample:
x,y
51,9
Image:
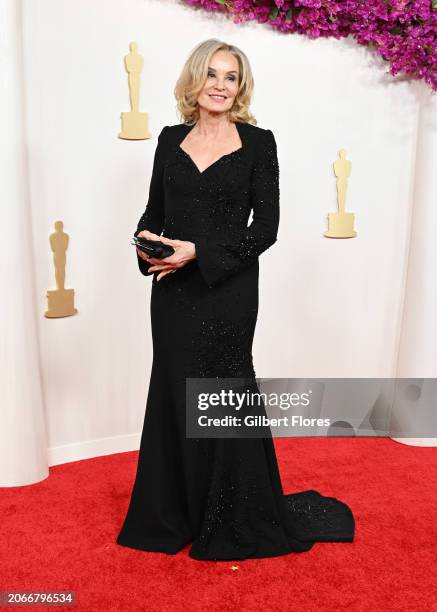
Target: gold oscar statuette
x,y
134,125
60,301
341,223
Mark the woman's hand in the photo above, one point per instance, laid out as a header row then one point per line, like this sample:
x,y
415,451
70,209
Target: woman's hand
x,y
185,251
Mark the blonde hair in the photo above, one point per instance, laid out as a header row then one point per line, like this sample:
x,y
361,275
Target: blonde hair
x,y
193,77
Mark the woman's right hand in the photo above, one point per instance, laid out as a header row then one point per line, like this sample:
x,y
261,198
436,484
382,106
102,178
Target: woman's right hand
x,y
149,236
166,268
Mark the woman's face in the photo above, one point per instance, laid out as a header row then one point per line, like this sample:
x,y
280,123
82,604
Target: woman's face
x,y
221,86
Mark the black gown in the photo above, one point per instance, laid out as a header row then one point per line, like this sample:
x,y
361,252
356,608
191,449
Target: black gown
x,y
222,495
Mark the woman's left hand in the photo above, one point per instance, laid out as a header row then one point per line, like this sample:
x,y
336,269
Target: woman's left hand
x,y
185,251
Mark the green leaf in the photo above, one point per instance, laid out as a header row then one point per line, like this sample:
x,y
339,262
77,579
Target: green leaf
x,y
289,14
396,30
434,4
220,1
274,13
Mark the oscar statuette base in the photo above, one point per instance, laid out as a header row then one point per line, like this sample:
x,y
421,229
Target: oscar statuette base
x,y
340,225
60,303
134,126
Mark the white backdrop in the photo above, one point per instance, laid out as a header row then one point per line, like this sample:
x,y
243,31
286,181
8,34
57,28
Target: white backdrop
x,y
77,387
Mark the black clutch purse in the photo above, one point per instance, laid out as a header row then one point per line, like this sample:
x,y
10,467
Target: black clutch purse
x,y
154,248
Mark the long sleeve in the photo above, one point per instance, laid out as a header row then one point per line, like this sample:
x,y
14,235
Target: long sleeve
x,y
220,258
153,217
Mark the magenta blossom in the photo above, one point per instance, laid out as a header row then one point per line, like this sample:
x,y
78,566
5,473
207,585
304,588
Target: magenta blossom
x,y
402,32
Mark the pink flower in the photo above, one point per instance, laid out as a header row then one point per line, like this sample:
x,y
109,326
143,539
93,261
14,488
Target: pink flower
x,y
403,32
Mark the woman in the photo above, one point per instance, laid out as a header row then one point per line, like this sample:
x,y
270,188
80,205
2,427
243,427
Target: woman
x,y
224,496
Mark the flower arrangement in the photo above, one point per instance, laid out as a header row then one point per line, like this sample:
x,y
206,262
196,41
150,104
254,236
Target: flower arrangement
x,y
402,32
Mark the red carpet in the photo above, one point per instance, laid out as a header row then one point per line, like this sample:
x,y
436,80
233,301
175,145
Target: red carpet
x,y
60,535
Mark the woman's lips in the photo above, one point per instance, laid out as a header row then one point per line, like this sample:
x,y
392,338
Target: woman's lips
x,y
217,98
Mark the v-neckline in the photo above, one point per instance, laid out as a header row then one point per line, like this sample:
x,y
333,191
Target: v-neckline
x,y
200,172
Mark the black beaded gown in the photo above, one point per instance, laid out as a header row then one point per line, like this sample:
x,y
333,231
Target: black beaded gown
x,y
221,495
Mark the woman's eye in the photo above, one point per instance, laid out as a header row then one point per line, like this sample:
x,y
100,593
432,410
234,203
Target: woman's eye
x,y
231,77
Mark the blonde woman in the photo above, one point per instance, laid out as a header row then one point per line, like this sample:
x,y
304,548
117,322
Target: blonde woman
x,y
221,495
